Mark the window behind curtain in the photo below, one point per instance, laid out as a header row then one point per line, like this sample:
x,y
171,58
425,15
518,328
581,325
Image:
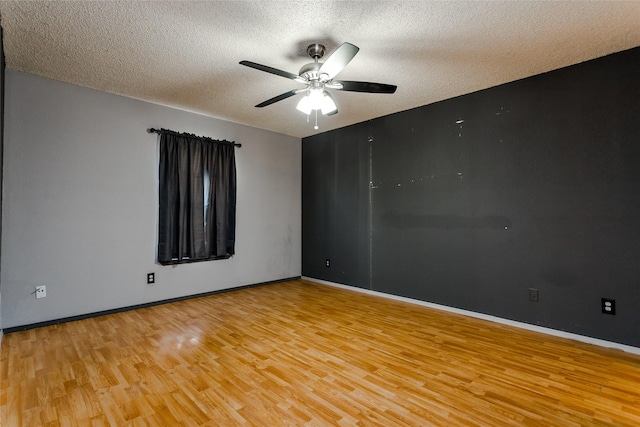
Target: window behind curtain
x,y
197,203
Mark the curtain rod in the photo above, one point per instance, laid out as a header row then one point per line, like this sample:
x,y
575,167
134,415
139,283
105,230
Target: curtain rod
x,y
160,131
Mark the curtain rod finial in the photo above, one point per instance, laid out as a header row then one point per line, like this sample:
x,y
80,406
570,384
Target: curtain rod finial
x,y
151,130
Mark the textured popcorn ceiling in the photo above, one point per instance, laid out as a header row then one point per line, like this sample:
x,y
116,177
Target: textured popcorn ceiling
x,y
185,53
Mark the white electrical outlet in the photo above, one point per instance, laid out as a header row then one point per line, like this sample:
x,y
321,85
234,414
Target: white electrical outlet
x,y
41,291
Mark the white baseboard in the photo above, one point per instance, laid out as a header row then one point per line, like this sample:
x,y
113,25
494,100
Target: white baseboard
x,y
522,325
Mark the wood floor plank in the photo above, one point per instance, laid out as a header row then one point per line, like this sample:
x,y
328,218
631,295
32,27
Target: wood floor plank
x,y
303,354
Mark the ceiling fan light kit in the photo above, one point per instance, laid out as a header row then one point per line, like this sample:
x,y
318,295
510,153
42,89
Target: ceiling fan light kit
x,y
317,99
318,77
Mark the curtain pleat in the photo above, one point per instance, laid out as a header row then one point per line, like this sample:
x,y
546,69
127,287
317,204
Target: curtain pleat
x,y
187,231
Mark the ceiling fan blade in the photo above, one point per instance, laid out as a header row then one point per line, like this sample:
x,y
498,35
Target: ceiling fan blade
x,y
279,97
368,87
338,60
273,71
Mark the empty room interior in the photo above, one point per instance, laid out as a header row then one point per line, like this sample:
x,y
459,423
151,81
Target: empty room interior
x,y
335,213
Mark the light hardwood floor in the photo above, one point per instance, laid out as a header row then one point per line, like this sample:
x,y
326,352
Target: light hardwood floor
x,y
299,353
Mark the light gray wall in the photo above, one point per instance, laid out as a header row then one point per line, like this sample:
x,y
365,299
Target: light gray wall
x,y
80,210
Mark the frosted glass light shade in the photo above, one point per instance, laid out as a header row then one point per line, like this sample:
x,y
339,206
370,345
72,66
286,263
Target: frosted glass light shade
x,y
327,106
305,105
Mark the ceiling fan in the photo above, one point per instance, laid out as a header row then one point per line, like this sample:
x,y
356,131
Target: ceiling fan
x,y
318,77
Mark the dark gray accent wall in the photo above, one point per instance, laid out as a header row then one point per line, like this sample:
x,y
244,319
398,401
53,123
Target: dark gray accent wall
x,y
471,201
335,207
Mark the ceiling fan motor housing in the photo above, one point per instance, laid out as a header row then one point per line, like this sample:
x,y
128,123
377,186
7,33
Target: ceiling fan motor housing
x,y
309,71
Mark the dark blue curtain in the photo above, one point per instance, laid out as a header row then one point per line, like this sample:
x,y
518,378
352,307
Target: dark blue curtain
x,y
197,203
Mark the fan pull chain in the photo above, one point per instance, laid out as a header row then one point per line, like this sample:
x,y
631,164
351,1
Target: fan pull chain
x,y
316,126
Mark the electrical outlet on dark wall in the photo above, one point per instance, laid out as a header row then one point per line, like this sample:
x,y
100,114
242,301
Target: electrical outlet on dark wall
x,y
608,306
